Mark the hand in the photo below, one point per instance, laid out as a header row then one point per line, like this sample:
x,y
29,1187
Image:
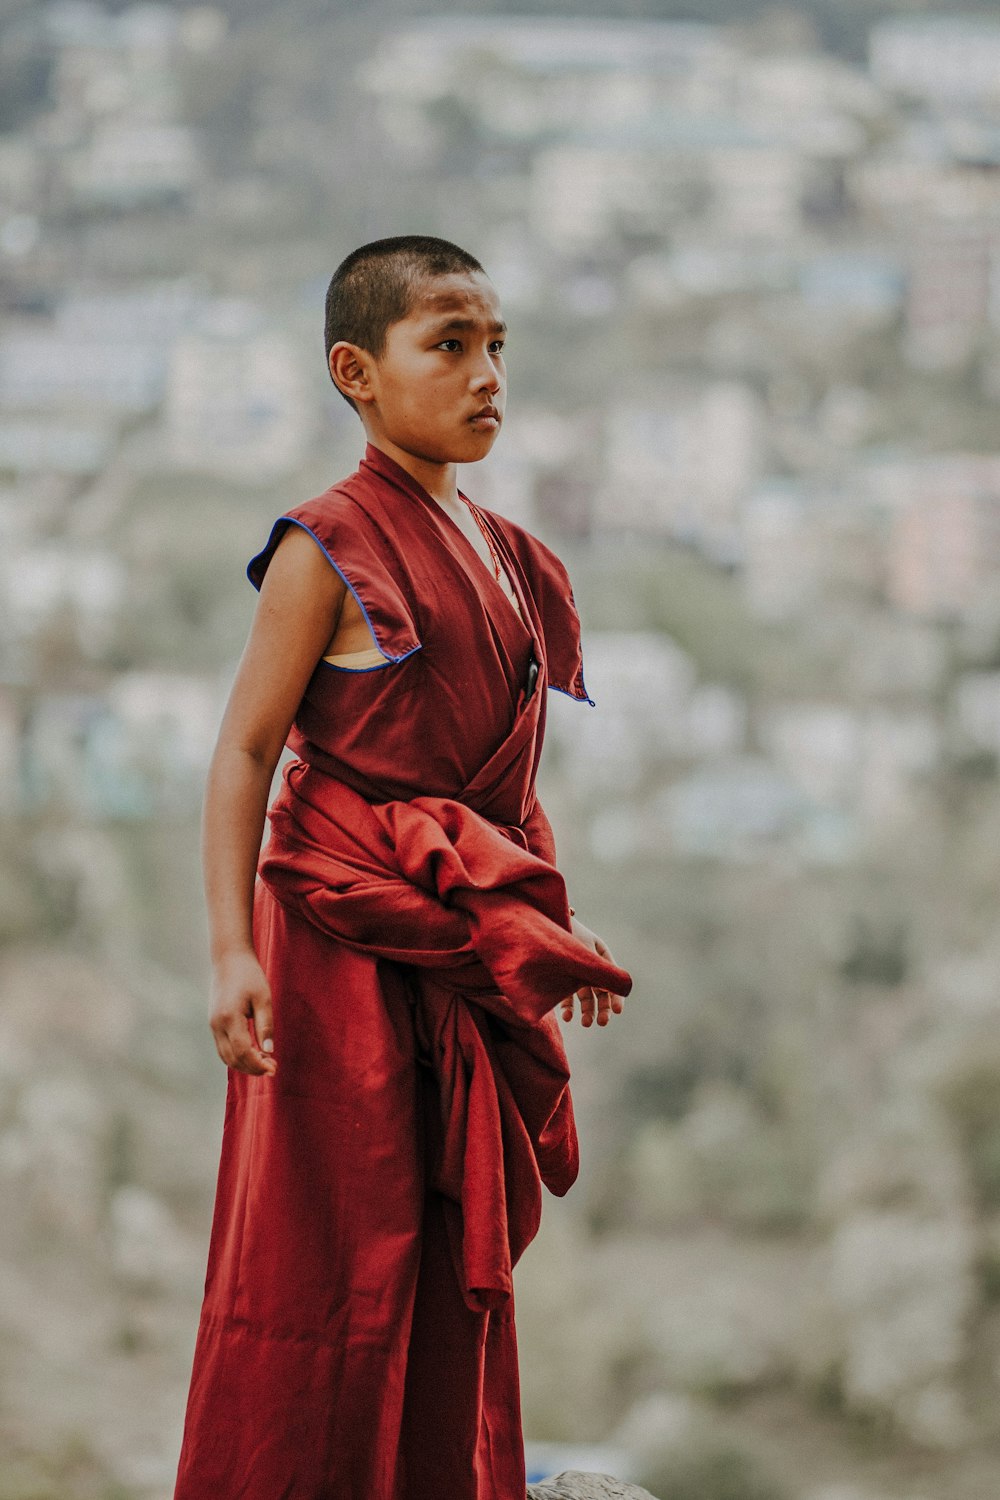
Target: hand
x,y
240,991
601,1003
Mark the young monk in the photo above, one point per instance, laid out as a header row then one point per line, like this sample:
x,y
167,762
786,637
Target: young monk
x,y
385,981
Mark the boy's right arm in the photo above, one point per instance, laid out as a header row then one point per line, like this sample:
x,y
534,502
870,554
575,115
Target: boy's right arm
x,y
301,598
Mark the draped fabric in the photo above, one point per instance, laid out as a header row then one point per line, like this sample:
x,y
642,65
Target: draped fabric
x,y
357,1337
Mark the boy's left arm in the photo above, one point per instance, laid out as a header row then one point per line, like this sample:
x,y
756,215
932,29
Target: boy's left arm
x,y
595,1004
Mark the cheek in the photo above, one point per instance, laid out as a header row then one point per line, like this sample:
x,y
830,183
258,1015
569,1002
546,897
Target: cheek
x,y
427,393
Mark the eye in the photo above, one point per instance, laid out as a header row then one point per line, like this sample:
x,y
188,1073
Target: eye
x,y
497,346
444,342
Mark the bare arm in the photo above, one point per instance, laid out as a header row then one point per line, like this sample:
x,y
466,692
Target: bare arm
x,y
301,599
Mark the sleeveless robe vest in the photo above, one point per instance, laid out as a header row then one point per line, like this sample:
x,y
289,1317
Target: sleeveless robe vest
x,y
357,1338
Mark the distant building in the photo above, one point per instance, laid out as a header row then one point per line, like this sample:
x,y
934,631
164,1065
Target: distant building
x,y
11,714
653,710
151,313
757,189
745,810
579,194
44,369
237,402
39,580
864,286
942,59
899,752
819,745
137,750
954,286
564,59
72,760
129,164
864,762
679,462
782,560
976,710
944,544
168,721
59,446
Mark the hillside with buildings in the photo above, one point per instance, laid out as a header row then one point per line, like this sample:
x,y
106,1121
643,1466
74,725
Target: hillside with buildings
x,y
753,288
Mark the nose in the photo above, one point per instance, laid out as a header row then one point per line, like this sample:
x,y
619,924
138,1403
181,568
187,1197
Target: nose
x,y
486,376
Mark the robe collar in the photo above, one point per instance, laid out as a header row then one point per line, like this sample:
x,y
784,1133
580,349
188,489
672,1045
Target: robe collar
x,y
387,468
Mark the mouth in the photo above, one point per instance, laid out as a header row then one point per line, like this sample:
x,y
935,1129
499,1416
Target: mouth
x,y
487,420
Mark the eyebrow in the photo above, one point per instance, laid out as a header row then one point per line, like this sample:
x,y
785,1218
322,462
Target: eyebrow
x,y
464,324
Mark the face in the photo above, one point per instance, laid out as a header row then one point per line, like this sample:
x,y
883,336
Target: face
x,y
439,388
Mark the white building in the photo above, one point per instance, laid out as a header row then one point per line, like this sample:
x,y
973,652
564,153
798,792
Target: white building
x,y
38,445
568,68
580,193
818,745
942,59
954,285
782,557
757,189
39,580
237,403
944,540
170,721
680,464
652,710
126,165
729,809
976,710
45,369
865,763
152,313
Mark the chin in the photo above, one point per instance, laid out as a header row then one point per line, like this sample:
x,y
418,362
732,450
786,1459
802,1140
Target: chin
x,y
479,446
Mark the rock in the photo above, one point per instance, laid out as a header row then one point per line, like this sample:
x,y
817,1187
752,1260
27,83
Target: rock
x,y
576,1486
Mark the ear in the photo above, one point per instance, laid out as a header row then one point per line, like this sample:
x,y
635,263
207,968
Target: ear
x,y
351,368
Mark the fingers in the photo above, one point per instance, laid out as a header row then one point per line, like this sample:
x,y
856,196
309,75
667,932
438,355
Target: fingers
x,y
263,1022
235,1044
240,1037
595,1005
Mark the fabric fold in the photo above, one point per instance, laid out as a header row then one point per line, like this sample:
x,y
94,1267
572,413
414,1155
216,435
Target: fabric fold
x,y
484,925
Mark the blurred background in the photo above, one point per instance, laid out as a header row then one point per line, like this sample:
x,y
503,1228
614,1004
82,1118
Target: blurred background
x,y
750,256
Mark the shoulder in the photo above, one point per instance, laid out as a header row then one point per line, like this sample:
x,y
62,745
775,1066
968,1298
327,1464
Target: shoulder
x,y
339,523
346,530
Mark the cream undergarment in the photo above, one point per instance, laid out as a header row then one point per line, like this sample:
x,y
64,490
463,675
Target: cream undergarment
x,y
372,656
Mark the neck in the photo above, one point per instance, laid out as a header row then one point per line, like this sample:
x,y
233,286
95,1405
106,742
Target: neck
x,y
440,480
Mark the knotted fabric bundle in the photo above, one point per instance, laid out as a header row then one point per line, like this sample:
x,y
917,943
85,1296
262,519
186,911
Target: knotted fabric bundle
x,y
484,925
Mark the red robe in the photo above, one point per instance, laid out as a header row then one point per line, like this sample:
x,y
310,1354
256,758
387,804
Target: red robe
x,y
357,1336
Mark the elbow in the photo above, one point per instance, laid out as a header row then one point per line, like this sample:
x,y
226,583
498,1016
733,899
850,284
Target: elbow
x,y
253,758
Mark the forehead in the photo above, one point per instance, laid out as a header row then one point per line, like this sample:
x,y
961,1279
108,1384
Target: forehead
x,y
460,294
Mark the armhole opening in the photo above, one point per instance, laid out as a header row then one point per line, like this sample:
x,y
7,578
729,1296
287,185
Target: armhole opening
x,y
376,645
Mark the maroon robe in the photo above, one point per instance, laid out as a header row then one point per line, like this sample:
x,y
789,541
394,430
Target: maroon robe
x,y
357,1336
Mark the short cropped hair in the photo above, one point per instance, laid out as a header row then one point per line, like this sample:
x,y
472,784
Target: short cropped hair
x,y
374,287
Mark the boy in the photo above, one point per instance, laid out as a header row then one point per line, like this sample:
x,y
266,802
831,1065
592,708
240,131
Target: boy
x,y
384,993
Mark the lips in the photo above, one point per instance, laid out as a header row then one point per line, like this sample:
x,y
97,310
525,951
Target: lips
x,y
486,414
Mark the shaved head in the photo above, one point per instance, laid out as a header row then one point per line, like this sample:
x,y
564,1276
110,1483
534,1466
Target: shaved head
x,y
375,286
